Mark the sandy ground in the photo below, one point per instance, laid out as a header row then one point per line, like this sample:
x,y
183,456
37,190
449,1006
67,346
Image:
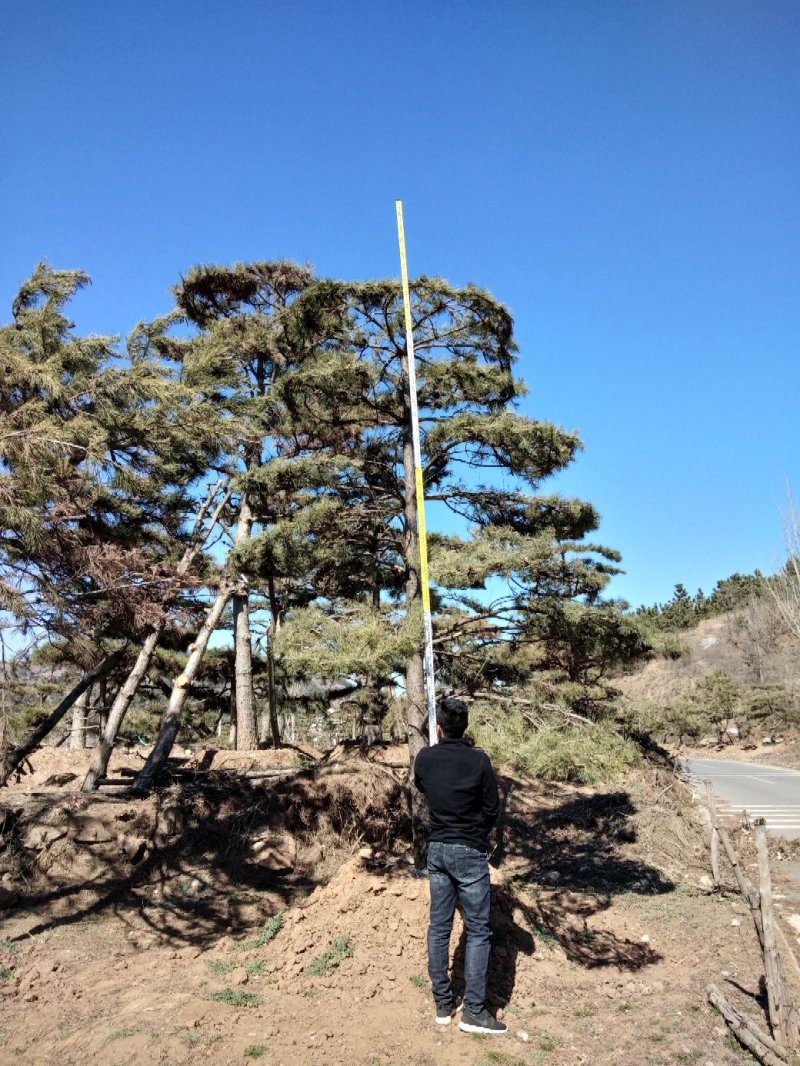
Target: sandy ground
x,y
224,920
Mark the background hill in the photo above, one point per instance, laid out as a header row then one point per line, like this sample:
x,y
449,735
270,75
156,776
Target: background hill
x,y
741,665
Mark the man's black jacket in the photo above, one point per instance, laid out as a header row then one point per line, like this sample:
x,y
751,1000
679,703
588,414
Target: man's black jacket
x,y
459,784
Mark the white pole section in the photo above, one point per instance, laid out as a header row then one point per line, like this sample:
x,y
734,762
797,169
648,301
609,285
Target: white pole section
x,y
428,671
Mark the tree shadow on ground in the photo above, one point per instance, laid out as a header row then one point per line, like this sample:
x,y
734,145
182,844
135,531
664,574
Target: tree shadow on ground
x,y
196,875
185,862
570,859
577,844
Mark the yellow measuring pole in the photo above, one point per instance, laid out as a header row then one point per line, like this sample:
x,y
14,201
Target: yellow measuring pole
x,y
427,625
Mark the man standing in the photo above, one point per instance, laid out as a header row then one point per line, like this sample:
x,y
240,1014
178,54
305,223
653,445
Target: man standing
x,y
458,782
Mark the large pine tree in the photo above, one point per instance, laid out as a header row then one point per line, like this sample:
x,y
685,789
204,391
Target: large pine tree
x,y
482,459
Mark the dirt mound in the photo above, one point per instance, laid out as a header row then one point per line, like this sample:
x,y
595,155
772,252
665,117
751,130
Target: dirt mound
x,y
300,825
373,915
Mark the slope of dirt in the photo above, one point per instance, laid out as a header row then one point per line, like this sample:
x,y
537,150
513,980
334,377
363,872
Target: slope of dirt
x,y
710,646
719,643
236,919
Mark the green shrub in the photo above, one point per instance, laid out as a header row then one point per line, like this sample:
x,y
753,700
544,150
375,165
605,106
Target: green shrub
x,y
234,997
255,967
121,1034
215,966
773,706
558,751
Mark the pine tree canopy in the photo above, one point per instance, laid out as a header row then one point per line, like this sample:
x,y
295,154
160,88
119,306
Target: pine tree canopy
x,y
98,451
283,399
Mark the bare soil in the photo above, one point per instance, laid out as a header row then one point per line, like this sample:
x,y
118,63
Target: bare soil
x,y
137,931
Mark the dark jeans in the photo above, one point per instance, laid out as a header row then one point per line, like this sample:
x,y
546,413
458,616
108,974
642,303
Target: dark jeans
x,y
458,872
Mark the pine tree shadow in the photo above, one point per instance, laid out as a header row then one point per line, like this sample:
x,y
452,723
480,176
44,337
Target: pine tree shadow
x,y
194,861
570,861
578,845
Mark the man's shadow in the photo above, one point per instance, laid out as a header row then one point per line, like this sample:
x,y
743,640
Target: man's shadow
x,y
509,939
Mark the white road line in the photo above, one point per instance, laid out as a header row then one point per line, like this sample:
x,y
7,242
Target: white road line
x,y
778,808
732,773
741,777
721,765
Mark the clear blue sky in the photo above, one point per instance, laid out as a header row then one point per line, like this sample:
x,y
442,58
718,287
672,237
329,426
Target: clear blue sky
x,y
623,175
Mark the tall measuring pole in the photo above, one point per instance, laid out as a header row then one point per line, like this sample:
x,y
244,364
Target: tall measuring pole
x,y
427,662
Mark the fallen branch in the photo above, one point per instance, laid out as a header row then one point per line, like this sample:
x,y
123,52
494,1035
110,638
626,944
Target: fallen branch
x,y
747,1032
518,701
256,775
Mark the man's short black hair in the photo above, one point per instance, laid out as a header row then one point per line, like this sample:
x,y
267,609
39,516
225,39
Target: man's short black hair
x,y
452,715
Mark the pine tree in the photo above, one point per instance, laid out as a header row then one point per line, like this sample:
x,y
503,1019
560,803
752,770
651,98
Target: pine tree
x,y
350,398
99,449
233,358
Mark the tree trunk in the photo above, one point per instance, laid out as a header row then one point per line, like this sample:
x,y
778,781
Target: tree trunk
x,y
274,626
15,757
124,697
102,705
417,714
232,718
246,728
77,734
119,709
170,723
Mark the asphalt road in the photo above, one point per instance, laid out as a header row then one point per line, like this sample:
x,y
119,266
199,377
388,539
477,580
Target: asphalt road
x,y
763,791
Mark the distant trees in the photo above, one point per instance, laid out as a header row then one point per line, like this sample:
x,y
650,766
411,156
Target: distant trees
x,y
785,588
684,611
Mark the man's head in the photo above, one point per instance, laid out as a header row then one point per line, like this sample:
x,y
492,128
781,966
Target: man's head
x,y
451,717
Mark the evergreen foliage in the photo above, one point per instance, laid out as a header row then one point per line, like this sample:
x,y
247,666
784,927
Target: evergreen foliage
x,y
292,392
685,612
557,750
351,397
97,451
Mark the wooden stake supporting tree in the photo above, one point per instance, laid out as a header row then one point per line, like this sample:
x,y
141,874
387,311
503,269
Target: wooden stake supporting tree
x,y
783,1047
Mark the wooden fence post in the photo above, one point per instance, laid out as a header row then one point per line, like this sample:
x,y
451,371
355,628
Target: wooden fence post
x,y
712,810
781,1013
